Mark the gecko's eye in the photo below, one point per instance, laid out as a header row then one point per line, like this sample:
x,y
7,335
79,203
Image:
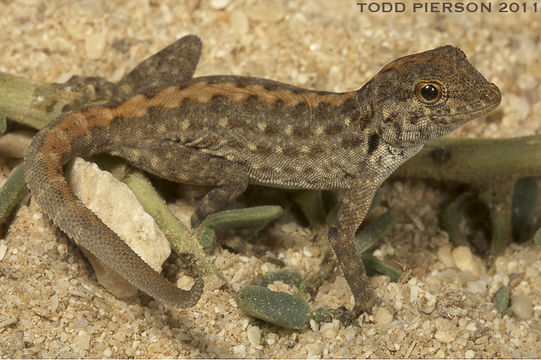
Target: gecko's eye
x,y
428,92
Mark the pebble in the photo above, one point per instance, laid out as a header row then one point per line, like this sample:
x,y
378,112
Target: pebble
x,y
239,22
268,11
444,255
465,261
382,316
314,325
81,341
445,336
425,301
3,249
254,335
271,338
14,144
329,330
477,287
95,45
469,354
239,350
522,306
314,351
219,4
349,333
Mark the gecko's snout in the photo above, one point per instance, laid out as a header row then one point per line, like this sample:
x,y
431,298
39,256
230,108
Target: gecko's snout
x,y
493,95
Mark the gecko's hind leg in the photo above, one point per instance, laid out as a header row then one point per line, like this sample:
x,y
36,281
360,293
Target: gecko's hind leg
x,y
219,197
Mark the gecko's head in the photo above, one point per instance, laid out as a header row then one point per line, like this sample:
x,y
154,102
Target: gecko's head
x,y
427,95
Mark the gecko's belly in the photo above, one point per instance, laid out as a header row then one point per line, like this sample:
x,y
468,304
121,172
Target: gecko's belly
x,y
289,177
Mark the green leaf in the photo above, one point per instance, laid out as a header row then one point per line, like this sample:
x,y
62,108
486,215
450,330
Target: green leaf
x,y
374,266
501,299
525,196
374,230
274,307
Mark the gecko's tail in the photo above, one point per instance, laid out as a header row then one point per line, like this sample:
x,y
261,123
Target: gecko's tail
x,y
50,149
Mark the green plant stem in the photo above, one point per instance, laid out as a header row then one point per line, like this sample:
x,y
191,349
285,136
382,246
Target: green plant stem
x,y
476,161
12,192
32,103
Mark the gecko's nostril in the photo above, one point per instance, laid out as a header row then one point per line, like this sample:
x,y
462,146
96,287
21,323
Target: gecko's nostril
x,y
493,95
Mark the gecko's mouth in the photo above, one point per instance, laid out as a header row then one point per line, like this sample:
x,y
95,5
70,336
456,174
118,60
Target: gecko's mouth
x,y
486,103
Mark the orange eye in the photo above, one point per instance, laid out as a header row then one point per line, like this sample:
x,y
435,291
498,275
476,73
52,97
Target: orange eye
x,y
428,92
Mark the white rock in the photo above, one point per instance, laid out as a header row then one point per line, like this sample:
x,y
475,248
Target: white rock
x,y
114,203
465,261
522,306
469,354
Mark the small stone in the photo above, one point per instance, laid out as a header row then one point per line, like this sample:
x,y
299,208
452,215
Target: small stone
x,y
314,351
382,317
219,4
269,11
239,350
271,338
522,306
469,354
445,336
14,144
329,330
465,261
477,287
95,45
289,227
424,300
3,249
81,341
254,335
239,22
349,333
444,255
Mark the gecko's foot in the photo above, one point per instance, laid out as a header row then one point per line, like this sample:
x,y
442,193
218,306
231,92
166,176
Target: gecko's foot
x,y
365,303
345,316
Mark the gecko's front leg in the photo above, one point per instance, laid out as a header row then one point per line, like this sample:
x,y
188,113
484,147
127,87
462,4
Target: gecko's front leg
x,y
353,209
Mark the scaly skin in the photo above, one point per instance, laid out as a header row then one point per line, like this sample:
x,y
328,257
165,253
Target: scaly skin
x,y
231,131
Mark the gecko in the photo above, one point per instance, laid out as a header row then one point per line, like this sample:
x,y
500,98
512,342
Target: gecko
x,y
228,131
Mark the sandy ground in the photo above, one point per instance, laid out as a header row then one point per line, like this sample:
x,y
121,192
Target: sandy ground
x,y
51,304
